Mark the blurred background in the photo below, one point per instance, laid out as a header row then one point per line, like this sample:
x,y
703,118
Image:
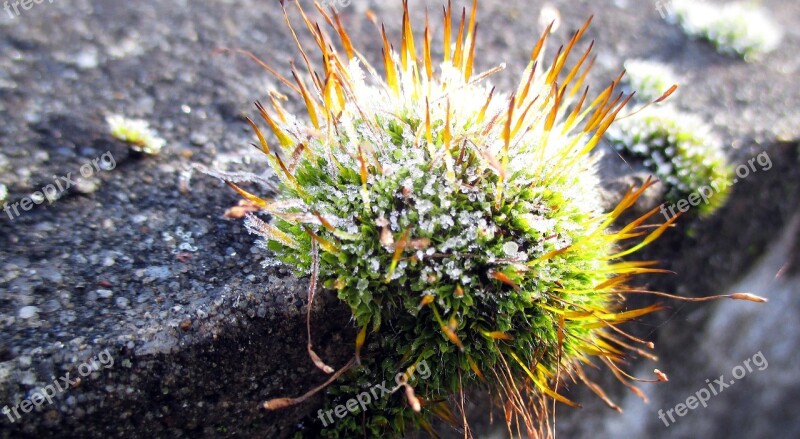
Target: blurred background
x,y
133,257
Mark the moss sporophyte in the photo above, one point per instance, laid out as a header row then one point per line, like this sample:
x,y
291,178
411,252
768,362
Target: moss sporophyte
x,y
461,225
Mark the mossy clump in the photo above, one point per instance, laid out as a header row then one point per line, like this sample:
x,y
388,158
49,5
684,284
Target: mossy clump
x,y
137,133
680,149
461,225
741,28
649,79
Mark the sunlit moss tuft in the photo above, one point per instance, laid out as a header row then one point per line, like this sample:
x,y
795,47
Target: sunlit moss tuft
x,y
461,224
137,133
680,149
742,28
649,79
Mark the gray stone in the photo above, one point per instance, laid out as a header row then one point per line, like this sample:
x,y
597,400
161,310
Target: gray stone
x,y
28,312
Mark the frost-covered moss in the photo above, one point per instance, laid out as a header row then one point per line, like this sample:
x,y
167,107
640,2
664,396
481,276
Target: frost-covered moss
x,y
680,149
137,133
742,28
649,79
461,225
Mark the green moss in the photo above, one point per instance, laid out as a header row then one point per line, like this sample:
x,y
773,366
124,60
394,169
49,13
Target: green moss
x,y
137,133
680,150
461,225
649,79
459,238
742,28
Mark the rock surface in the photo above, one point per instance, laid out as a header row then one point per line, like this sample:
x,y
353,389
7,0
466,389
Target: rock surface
x,y
137,260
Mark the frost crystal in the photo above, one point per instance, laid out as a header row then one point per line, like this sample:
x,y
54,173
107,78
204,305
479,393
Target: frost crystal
x,y
511,248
